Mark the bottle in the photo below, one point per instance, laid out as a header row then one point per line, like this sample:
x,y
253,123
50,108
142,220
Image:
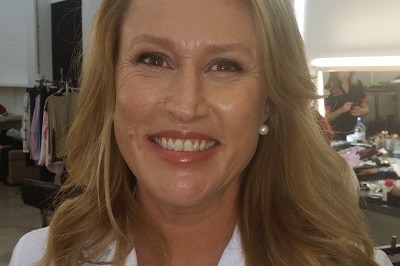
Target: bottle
x,y
360,130
388,143
387,187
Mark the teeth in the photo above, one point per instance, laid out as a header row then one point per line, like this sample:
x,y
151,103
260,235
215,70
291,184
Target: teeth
x,y
178,146
184,145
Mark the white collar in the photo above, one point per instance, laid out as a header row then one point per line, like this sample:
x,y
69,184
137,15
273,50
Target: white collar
x,y
232,255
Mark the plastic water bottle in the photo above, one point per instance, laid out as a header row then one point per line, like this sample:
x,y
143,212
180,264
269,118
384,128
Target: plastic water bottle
x,y
360,130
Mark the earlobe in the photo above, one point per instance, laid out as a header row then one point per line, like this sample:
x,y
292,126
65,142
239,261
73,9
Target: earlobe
x,y
264,129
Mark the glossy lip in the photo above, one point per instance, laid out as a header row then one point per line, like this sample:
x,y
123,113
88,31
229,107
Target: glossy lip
x,y
182,156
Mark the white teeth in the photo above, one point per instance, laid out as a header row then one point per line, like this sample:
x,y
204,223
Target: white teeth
x,y
202,145
184,145
170,144
164,142
188,146
196,146
178,146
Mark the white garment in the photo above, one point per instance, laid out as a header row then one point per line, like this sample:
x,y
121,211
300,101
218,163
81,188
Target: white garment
x,y
30,248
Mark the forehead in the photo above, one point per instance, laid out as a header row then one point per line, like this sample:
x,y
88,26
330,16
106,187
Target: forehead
x,y
191,20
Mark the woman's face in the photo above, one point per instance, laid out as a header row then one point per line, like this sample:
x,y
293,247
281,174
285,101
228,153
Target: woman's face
x,y
343,76
189,98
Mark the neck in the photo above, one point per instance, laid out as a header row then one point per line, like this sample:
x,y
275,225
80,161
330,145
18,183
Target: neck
x,y
345,86
193,236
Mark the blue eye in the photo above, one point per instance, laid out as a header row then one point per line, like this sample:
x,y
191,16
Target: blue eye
x,y
152,59
227,66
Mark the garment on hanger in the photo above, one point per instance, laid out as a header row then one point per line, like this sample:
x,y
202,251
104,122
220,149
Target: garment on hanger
x,y
58,115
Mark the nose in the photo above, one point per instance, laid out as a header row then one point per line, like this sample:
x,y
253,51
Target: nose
x,y
187,100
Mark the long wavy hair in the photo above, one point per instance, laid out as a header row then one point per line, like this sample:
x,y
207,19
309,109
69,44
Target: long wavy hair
x,y
334,82
298,200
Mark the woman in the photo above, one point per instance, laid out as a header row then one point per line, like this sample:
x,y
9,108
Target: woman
x,y
346,102
194,119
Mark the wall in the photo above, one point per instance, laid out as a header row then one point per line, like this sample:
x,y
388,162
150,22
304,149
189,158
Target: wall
x,y
352,28
355,28
88,10
27,56
18,42
25,52
44,39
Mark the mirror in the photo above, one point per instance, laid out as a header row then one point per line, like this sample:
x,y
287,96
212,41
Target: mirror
x,y
382,89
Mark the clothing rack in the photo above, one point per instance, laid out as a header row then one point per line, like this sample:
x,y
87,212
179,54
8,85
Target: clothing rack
x,y
47,119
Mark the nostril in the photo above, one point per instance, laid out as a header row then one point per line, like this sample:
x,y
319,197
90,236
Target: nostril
x,y
185,108
186,100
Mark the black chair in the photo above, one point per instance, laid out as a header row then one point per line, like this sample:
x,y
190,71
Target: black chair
x,y
41,195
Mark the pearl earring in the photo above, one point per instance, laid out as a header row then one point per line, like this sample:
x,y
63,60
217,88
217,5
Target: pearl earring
x,y
263,130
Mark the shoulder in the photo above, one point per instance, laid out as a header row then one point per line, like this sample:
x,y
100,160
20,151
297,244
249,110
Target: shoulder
x,y
30,248
335,92
382,259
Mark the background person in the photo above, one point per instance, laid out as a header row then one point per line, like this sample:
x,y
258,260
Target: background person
x,y
346,102
194,120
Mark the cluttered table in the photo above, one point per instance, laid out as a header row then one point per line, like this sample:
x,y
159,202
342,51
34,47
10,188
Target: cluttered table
x,y
378,173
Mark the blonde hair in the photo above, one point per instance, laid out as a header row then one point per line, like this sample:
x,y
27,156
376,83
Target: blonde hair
x,y
297,200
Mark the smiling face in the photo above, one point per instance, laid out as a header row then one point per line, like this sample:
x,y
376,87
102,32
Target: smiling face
x,y
189,98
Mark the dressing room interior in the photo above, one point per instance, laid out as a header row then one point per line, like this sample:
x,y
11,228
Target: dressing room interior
x,y
42,47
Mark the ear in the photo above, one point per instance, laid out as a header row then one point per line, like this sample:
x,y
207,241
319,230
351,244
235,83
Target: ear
x,y
266,111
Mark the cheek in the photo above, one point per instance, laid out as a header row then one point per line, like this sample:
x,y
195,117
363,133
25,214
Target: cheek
x,y
246,110
132,101
128,114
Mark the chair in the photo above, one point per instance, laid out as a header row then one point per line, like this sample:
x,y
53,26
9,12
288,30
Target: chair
x,y
41,195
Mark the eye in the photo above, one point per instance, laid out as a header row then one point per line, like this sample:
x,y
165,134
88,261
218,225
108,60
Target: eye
x,y
152,59
226,66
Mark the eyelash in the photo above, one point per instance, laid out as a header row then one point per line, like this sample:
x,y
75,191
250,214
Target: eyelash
x,y
221,64
155,59
151,56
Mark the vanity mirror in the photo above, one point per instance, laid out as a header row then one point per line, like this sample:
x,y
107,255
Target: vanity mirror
x,y
381,79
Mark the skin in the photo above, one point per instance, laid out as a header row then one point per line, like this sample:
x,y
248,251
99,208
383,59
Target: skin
x,y
191,75
359,110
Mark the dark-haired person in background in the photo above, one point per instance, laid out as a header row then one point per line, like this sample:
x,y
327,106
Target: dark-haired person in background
x,y
346,102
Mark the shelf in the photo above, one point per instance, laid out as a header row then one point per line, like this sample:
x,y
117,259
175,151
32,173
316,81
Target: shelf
x,y
13,85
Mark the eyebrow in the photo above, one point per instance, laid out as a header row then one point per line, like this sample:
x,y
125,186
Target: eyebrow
x,y
146,38
229,47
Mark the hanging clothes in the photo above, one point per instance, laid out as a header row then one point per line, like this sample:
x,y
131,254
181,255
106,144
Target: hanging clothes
x,y
41,94
48,113
26,121
58,115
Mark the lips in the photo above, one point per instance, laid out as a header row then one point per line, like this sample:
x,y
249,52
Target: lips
x,y
186,145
